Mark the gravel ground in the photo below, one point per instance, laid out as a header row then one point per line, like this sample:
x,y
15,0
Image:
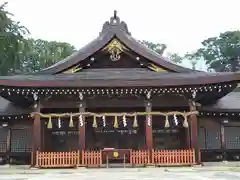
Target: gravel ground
x,y
121,174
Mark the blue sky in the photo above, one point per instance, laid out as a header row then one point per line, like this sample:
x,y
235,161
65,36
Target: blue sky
x,y
181,24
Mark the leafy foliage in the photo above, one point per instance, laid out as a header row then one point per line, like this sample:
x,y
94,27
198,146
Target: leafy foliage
x,y
221,53
21,55
18,54
40,54
11,39
160,49
174,57
192,59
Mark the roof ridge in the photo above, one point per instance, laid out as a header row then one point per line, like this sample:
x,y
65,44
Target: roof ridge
x,y
115,23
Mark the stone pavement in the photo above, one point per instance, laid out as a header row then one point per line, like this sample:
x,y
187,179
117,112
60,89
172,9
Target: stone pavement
x,y
121,174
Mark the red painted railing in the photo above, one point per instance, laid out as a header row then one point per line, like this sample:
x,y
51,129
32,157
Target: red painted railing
x,y
173,157
91,158
94,158
57,159
139,157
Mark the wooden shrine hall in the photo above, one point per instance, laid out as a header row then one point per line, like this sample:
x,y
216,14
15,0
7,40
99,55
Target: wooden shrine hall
x,y
116,101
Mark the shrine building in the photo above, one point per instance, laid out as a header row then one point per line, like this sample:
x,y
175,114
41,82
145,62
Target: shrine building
x,y
115,101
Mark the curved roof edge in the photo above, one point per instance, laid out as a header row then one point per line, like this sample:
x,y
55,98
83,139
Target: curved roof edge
x,y
111,29
8,108
122,78
228,103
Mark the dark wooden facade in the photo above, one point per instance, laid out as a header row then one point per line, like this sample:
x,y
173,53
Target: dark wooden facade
x,y
116,74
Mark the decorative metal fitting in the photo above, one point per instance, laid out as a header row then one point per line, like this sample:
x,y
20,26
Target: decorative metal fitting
x,y
115,48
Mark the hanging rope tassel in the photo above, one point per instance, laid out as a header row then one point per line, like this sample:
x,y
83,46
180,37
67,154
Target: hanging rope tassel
x,y
115,125
185,122
94,125
135,122
167,125
49,125
71,121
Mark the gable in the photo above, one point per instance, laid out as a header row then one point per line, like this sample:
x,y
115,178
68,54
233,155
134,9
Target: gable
x,y
114,48
115,55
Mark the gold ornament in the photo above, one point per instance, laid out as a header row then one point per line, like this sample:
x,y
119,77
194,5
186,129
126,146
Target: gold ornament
x,y
115,124
73,70
49,125
156,68
71,121
135,122
115,48
115,154
94,125
167,125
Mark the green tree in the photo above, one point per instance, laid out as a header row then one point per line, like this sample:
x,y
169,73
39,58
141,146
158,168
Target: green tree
x,y
158,48
21,55
40,54
221,53
192,59
11,38
174,57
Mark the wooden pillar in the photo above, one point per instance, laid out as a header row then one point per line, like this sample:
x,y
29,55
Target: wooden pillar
x,y
194,132
82,126
222,138
148,126
36,135
9,139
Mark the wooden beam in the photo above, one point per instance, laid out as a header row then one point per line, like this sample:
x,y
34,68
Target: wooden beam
x,y
61,104
98,102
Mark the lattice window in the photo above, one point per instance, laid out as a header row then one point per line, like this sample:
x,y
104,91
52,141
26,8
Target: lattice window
x,y
21,140
232,137
3,139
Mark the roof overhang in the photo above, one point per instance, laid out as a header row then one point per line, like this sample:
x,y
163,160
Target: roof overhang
x,y
229,103
119,79
7,108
